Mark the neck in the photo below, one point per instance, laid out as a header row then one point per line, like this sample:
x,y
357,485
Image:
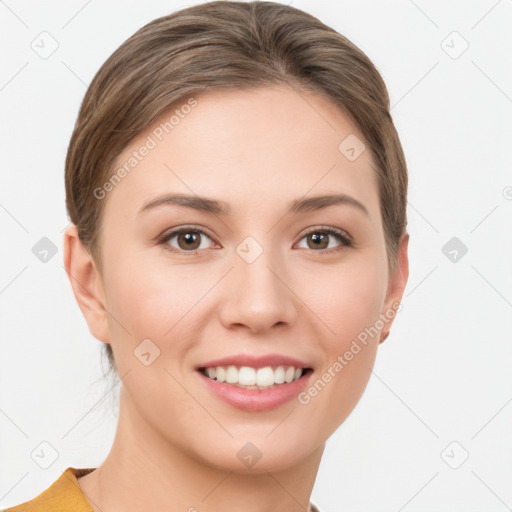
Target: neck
x,y
143,471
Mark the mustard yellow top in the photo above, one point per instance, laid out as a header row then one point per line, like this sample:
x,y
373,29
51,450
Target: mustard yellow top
x,y
66,495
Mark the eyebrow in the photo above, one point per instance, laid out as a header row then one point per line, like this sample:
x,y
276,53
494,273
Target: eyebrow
x,y
216,207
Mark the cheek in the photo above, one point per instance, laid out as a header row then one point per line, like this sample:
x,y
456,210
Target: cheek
x,y
151,297
346,300
347,304
148,300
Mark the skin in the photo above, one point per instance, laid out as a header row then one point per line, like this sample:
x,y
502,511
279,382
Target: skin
x,y
176,443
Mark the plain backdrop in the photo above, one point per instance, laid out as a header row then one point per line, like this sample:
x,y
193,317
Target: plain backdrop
x,y
433,428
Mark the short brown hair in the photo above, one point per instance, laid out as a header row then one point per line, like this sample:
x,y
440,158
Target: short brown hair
x,y
227,44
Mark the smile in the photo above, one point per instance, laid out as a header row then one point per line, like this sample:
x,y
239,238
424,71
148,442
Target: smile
x,y
251,397
254,378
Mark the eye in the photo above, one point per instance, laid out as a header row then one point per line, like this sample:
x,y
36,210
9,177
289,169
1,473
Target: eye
x,y
188,239
318,238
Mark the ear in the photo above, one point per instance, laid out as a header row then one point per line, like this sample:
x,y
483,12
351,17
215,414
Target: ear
x,y
86,283
396,287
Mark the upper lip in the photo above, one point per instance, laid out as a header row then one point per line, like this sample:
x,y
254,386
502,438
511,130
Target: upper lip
x,y
255,361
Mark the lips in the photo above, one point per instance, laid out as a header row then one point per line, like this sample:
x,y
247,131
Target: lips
x,y
255,400
255,361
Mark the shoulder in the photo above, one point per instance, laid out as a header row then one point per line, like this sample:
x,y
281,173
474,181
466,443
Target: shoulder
x,y
64,495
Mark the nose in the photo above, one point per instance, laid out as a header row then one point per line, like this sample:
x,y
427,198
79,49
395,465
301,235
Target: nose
x,y
258,295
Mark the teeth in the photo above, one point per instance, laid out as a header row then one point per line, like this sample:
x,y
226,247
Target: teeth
x,y
254,378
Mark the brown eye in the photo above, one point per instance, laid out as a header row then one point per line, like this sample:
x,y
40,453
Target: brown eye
x,y
319,239
187,240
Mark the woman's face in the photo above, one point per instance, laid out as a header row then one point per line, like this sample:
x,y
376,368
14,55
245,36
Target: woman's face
x,y
263,277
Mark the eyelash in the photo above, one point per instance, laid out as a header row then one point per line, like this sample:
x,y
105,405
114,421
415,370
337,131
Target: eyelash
x,y
341,236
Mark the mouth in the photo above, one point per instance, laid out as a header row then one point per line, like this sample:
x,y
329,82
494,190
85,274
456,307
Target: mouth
x,y
262,378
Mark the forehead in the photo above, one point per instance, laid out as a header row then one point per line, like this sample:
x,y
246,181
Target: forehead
x,y
243,146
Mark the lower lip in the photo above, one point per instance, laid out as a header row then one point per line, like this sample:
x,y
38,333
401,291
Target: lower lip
x,y
256,399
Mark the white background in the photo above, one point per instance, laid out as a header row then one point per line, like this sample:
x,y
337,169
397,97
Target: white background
x,y
443,375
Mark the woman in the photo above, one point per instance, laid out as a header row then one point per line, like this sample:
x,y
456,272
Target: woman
x,y
237,193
